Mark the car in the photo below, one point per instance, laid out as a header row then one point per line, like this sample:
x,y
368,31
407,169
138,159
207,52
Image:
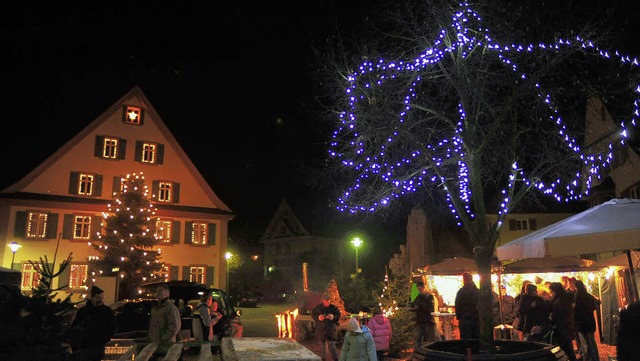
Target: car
x,y
133,315
245,299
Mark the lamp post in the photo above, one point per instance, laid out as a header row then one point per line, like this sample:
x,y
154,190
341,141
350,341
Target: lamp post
x,y
357,242
228,256
14,248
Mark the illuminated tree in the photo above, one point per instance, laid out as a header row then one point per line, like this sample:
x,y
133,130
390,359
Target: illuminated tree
x,y
485,121
126,246
394,299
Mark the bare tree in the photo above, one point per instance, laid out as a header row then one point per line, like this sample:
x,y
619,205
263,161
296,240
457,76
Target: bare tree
x,y
437,105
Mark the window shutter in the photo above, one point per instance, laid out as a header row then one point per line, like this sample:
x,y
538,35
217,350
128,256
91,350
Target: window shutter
x,y
97,186
176,192
122,149
67,226
99,146
175,232
212,234
116,185
174,273
96,228
185,273
512,224
532,224
52,226
74,178
160,158
188,232
141,116
155,188
64,277
20,229
208,277
138,154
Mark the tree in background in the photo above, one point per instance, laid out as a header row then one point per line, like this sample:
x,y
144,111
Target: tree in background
x,y
336,300
126,246
445,101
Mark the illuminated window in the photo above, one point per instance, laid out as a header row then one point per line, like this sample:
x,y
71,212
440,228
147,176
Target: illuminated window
x,y
30,277
82,227
163,230
199,233
148,153
78,275
110,148
37,225
163,273
164,191
196,274
85,184
133,115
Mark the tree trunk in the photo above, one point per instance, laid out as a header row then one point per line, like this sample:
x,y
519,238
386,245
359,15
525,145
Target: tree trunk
x,y
485,304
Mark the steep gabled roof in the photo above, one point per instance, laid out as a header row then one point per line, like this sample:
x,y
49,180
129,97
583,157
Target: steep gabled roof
x,y
135,93
284,224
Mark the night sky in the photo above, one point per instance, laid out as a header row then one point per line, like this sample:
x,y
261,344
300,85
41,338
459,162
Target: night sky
x,y
229,79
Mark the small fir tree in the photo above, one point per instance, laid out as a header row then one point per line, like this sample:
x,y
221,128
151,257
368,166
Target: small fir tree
x,y
336,300
126,246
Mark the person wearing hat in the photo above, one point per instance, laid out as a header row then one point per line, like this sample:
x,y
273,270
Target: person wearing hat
x,y
358,343
92,327
327,317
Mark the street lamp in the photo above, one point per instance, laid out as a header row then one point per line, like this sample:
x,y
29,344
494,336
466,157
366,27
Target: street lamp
x,y
357,242
14,248
228,256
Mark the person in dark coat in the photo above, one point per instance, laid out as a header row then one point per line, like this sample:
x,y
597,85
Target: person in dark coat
x,y
92,327
561,319
466,304
423,305
327,317
585,305
628,340
533,311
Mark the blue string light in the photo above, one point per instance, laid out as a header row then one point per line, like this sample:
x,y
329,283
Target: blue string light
x,y
441,154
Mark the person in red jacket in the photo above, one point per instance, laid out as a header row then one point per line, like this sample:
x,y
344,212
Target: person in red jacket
x,y
380,328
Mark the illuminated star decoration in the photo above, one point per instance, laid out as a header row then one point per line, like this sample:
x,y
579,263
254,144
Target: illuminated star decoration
x,y
375,166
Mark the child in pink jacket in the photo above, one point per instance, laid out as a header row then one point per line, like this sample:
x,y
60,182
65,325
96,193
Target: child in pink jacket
x,y
380,329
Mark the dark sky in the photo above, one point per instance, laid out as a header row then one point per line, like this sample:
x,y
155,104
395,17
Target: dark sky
x,y
230,80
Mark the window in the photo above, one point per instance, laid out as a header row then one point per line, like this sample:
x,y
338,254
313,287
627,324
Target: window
x,y
30,277
163,230
78,275
37,225
164,191
133,115
199,233
148,153
196,274
110,148
85,184
522,225
82,227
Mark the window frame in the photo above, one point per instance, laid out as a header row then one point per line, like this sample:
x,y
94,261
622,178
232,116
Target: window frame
x,y
85,227
199,229
149,153
162,228
522,224
132,109
165,191
40,223
82,283
83,181
110,147
30,274
193,277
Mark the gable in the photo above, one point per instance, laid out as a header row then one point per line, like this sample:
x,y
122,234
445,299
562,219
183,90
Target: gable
x,y
79,155
284,224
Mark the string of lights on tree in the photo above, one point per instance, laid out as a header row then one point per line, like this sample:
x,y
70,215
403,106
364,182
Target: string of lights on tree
x,y
125,247
371,163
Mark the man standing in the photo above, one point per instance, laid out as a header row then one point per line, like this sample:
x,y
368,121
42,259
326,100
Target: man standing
x,y
423,305
327,317
165,321
467,308
92,327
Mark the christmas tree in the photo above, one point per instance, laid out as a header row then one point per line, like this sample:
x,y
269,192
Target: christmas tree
x,y
332,291
126,246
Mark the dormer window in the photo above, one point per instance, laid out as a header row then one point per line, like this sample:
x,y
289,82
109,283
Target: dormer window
x,y
133,115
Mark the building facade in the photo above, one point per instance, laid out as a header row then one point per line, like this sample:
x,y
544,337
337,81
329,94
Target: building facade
x,y
58,207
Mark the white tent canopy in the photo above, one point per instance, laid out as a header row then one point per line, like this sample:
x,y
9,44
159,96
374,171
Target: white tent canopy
x,y
608,227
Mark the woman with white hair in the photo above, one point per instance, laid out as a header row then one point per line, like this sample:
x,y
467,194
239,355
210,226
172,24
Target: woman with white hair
x,y
358,343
